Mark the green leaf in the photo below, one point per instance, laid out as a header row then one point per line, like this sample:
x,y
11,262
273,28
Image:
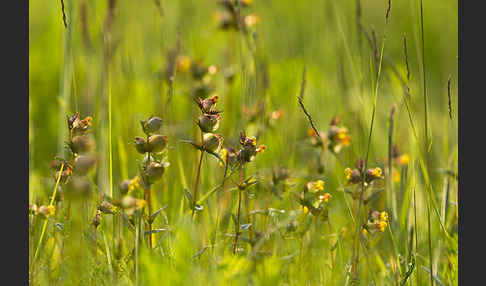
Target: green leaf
x,y
411,267
155,214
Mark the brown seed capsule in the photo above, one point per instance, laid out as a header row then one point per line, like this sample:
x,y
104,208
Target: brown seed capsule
x,y
207,104
141,145
83,164
209,122
151,125
157,143
81,144
124,186
154,172
212,142
78,187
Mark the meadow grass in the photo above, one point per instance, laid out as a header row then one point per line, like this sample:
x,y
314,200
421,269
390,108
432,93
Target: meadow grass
x,y
321,84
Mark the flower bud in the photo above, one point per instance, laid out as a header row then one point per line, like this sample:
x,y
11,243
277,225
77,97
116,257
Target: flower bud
x,y
212,142
141,145
209,122
157,143
151,125
83,164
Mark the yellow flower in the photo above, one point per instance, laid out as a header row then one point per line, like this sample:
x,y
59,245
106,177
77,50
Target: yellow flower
x,y
377,172
305,210
384,216
213,69
183,63
315,186
253,140
251,20
396,177
224,156
348,172
277,114
382,225
141,204
404,159
51,210
261,148
134,183
325,197
364,231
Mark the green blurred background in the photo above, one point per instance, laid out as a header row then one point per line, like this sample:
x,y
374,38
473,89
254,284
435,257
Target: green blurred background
x,y
66,75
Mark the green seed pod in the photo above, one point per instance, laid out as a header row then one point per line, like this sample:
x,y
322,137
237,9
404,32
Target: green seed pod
x,y
154,172
151,125
157,143
83,164
212,142
81,144
209,122
141,145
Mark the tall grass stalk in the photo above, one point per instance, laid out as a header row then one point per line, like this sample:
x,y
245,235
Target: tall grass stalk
x,y
47,219
355,259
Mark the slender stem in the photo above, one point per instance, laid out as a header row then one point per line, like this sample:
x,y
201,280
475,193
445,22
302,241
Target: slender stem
x,y
47,218
239,207
149,215
197,177
429,235
95,245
